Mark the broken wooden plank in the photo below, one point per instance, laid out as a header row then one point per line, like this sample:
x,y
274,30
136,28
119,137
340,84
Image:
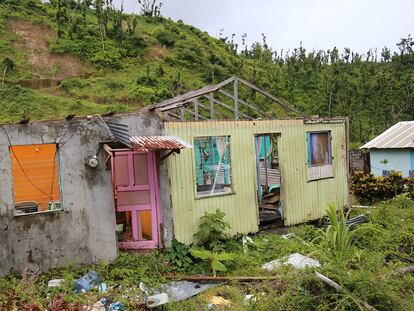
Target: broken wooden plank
x,y
275,99
236,99
181,100
216,101
196,109
243,102
227,278
208,109
212,105
193,113
339,288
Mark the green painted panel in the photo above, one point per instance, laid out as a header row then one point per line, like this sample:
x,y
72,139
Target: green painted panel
x,y
302,200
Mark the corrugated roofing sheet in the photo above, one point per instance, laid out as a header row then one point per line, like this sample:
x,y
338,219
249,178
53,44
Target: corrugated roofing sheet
x,y
146,143
401,135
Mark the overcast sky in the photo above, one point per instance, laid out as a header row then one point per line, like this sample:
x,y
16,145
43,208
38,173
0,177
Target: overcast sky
x,y
318,24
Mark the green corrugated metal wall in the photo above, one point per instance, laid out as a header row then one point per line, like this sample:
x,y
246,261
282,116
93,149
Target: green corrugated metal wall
x,y
302,200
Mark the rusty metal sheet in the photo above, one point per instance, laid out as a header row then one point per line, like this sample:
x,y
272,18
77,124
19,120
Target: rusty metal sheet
x,y
401,135
146,143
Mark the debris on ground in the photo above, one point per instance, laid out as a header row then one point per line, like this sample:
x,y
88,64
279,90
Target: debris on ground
x,y
116,306
86,282
217,301
55,283
154,300
182,290
354,221
297,260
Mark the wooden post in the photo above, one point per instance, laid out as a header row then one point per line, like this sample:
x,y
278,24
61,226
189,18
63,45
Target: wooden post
x,y
182,114
196,109
236,99
211,95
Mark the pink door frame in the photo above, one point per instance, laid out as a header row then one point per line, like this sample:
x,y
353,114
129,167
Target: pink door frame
x,y
154,206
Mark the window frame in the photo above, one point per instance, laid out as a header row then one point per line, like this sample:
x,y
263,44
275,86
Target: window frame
x,y
205,196
58,179
309,148
317,172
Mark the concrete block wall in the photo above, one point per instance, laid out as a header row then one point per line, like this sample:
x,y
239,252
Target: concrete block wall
x,y
85,231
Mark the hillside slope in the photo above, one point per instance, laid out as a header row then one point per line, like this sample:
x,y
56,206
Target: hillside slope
x,y
76,59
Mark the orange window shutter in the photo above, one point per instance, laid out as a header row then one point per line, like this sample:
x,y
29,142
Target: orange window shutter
x,y
35,174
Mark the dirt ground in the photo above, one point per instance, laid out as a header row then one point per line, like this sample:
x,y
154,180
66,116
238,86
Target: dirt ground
x,y
45,64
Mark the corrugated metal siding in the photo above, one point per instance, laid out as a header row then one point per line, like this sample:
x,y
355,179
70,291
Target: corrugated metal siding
x,y
302,200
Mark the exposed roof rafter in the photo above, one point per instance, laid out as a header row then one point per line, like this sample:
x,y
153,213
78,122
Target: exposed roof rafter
x,y
239,108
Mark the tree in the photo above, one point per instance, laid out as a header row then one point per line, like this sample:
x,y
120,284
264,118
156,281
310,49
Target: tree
x,y
150,8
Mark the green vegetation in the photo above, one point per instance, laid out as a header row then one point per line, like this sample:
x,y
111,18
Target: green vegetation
x,y
369,254
17,103
369,189
141,59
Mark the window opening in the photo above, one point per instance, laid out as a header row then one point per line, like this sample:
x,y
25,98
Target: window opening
x,y
35,178
319,148
319,155
213,165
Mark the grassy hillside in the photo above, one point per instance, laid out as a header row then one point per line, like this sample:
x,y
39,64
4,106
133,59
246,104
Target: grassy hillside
x,y
90,60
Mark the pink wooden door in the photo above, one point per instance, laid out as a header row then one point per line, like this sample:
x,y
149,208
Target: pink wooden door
x,y
136,199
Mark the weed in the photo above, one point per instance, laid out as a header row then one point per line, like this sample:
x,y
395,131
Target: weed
x,y
212,230
215,260
179,255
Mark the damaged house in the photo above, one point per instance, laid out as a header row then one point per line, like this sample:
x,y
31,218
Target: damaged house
x,y
79,189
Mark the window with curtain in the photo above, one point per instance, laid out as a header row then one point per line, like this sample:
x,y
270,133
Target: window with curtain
x,y
212,165
35,178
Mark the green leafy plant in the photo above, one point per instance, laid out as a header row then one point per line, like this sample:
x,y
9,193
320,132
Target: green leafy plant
x,y
212,230
215,260
338,238
371,189
179,255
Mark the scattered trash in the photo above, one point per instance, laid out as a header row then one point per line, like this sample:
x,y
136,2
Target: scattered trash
x,y
297,260
247,241
249,299
182,290
103,287
266,216
218,300
292,235
153,301
55,282
84,283
353,222
116,306
98,306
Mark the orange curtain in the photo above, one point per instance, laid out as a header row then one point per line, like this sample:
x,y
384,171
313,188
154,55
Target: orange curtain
x,y
39,163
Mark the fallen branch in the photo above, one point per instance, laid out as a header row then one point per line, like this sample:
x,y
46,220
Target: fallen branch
x,y
402,271
227,278
339,288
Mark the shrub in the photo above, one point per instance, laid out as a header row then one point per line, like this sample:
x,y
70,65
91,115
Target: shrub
x,y
370,189
148,95
72,83
114,84
212,230
108,59
179,255
215,260
166,38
